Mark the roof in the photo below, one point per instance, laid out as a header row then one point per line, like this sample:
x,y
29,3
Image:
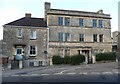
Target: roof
x,y
79,13
29,21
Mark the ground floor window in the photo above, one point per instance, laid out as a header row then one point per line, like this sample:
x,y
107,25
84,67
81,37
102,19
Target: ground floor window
x,y
33,50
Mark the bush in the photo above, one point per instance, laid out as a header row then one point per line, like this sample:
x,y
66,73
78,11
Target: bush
x,y
106,56
77,59
57,59
67,60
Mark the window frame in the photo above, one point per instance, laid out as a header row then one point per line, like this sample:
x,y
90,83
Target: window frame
x,y
81,22
95,38
33,51
81,37
101,39
33,34
19,33
67,21
100,25
60,37
94,23
66,37
60,21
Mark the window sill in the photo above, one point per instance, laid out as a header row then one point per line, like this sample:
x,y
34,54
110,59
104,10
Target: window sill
x,y
19,37
32,55
34,39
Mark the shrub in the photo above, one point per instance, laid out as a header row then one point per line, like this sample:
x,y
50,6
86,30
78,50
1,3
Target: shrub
x,y
67,60
57,59
106,56
77,59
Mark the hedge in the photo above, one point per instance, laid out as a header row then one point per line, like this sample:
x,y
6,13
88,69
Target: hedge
x,y
57,59
74,59
111,56
77,59
67,60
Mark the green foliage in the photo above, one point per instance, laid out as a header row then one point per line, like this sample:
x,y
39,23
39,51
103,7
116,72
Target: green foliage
x,y
106,56
74,59
67,60
77,59
57,59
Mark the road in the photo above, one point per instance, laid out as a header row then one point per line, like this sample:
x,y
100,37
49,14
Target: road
x,y
102,72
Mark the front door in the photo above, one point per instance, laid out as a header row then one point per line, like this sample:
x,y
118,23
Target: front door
x,y
19,51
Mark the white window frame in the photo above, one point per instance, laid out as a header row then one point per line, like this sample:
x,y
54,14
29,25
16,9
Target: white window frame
x,y
35,50
19,33
33,34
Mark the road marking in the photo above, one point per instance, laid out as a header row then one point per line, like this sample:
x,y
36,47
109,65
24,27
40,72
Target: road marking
x,y
15,75
35,75
71,73
24,75
57,73
107,73
83,73
95,73
45,74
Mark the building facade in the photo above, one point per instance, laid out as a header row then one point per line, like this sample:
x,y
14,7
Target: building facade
x,y
26,42
114,41
33,41
78,32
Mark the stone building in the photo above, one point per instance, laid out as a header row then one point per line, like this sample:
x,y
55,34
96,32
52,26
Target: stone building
x,y
26,42
78,32
114,41
33,41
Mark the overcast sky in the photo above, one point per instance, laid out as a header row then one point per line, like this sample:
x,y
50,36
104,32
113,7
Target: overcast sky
x,y
11,10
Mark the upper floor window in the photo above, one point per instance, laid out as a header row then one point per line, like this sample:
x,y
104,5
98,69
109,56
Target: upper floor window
x,y
81,37
33,50
60,36
100,23
81,23
67,37
19,33
94,37
60,21
101,38
94,21
67,21
32,34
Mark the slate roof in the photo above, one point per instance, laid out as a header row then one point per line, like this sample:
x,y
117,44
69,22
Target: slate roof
x,y
25,21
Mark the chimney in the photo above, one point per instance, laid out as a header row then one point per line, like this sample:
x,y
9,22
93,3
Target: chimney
x,y
28,15
46,9
100,12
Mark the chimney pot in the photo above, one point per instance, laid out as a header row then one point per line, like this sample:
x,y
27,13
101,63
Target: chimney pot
x,y
28,15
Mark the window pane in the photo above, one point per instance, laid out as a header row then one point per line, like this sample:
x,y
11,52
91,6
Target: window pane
x,y
94,22
100,23
67,21
60,36
67,36
94,37
81,37
60,21
32,50
19,33
101,38
32,34
19,51
81,22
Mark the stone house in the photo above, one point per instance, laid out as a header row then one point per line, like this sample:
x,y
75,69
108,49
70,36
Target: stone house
x,y
33,41
78,32
26,42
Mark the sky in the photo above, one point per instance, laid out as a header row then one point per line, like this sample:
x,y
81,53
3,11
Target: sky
x,y
12,10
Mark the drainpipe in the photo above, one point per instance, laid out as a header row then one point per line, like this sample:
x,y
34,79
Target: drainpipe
x,y
48,56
